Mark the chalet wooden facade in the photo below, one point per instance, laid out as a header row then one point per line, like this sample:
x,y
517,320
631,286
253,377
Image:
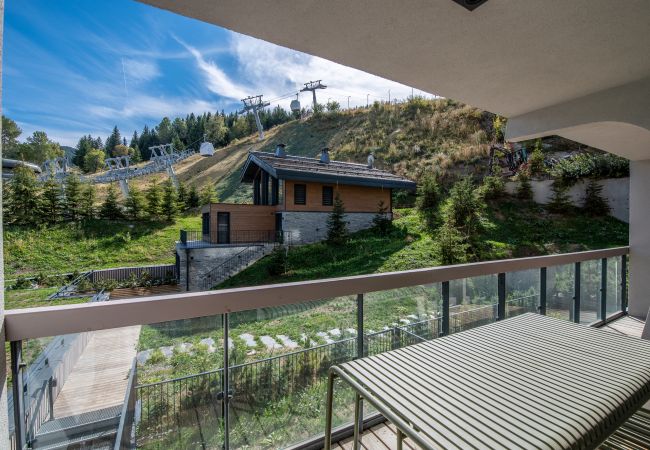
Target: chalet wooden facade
x,y
296,194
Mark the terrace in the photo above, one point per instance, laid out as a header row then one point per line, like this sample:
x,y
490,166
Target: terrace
x,y
598,93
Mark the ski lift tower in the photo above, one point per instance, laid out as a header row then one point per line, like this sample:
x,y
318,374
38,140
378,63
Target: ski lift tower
x,y
313,86
254,104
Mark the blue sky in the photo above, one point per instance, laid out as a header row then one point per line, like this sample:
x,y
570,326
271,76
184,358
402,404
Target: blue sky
x,y
73,67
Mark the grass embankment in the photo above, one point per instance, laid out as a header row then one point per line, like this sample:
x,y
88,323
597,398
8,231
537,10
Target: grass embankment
x,y
512,228
95,244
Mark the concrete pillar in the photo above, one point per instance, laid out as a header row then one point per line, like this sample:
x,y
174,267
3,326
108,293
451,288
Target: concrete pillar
x,y
639,293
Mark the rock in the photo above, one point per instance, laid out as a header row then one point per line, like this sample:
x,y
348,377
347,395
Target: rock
x,y
325,337
249,339
351,331
185,347
144,356
406,321
287,341
334,332
270,343
167,351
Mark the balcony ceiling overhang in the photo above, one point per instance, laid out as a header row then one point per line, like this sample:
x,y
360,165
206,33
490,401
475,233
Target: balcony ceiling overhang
x,y
512,57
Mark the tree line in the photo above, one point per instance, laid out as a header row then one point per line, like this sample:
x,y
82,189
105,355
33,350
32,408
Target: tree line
x,y
30,202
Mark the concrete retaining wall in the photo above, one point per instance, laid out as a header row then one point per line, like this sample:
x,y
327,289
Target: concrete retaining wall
x,y
615,190
307,227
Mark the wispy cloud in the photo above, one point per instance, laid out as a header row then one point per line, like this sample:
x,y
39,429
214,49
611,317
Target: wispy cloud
x,y
217,80
136,70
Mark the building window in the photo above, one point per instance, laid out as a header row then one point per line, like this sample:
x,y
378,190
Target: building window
x,y
299,194
328,195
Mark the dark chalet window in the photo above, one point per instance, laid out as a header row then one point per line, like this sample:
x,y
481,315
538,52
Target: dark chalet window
x,y
328,195
299,194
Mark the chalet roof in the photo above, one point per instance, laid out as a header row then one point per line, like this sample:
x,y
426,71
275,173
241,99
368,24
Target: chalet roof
x,y
301,168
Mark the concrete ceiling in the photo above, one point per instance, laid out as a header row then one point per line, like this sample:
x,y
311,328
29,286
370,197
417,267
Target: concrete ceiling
x,y
511,57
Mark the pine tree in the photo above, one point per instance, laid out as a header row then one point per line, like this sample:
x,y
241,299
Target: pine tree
x,y
337,230
73,194
207,195
593,201
154,201
536,160
169,201
560,201
88,198
193,199
110,209
23,197
524,190
381,221
134,205
114,139
51,201
182,196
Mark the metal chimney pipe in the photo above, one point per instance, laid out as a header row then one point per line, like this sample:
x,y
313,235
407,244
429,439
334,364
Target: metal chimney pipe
x,y
371,161
325,155
279,151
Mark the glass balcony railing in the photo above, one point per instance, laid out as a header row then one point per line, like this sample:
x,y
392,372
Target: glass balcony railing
x,y
247,368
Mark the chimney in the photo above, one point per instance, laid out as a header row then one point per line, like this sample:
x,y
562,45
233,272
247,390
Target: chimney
x,y
279,151
325,155
371,161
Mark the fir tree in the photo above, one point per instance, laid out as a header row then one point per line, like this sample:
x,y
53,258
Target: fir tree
x,y
154,201
381,221
51,201
193,199
23,197
524,190
452,246
114,139
134,205
73,194
337,230
593,201
207,195
560,201
110,209
88,198
536,160
182,196
169,201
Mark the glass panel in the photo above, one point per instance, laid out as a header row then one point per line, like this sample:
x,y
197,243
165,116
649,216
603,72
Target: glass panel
x,y
399,317
279,361
472,302
522,292
559,291
614,288
590,279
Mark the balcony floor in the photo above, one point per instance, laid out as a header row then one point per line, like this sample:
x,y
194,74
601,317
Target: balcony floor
x,y
382,436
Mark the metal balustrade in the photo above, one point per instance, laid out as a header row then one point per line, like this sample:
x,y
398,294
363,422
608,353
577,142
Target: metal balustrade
x,y
233,400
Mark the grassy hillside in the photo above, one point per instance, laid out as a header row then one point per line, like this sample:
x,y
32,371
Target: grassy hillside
x,y
512,228
97,244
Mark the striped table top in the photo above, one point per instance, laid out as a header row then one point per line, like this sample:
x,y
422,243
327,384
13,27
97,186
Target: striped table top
x,y
529,382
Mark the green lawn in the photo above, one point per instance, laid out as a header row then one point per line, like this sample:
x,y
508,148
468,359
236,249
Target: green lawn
x,y
96,244
30,298
511,229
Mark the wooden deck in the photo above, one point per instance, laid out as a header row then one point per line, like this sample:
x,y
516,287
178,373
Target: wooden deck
x,y
382,436
152,291
99,378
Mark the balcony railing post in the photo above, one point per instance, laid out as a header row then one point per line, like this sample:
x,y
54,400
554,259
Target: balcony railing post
x,y
624,283
501,291
542,291
17,368
603,289
576,294
445,309
226,384
361,351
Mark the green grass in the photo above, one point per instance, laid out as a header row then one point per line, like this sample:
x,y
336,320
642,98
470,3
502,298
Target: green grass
x,y
96,244
30,298
511,229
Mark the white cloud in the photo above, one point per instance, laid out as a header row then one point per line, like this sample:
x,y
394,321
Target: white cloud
x,y
136,70
217,80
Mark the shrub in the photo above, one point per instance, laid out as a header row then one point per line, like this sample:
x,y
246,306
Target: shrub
x,y
381,221
593,201
337,230
492,187
428,193
111,208
134,204
154,201
277,261
169,201
560,201
524,190
591,165
536,160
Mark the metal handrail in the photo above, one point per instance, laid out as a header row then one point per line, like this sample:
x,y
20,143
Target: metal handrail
x,y
217,274
55,320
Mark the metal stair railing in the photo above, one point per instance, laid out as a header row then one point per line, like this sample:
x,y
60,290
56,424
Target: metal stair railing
x,y
225,269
